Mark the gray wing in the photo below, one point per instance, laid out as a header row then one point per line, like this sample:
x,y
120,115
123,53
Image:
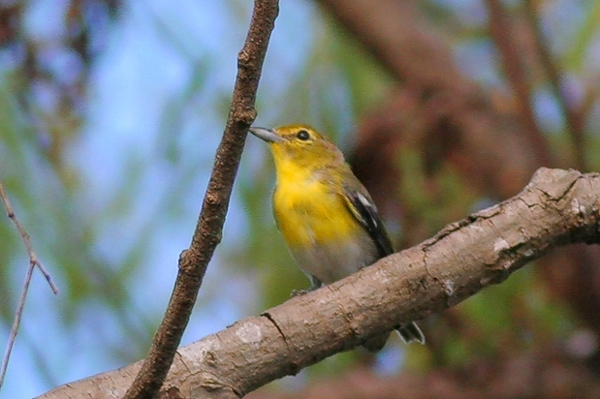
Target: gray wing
x,y
365,212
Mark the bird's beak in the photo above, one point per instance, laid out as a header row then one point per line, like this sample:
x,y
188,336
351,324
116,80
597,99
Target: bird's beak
x,y
267,135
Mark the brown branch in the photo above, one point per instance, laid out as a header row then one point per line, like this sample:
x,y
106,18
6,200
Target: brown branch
x,y
474,131
16,323
558,207
502,31
194,260
33,263
440,109
573,118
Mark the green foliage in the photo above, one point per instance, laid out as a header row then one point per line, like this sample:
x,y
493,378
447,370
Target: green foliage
x,y
433,199
583,36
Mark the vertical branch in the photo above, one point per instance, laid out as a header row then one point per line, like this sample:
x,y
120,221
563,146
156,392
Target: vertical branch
x,y
502,32
33,263
16,323
573,117
194,260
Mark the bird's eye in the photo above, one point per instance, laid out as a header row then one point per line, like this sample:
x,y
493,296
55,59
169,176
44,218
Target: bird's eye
x,y
303,135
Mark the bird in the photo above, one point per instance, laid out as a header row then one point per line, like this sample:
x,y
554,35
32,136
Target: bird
x,y
327,217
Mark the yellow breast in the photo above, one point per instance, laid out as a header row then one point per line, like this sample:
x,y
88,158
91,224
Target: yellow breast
x,y
310,213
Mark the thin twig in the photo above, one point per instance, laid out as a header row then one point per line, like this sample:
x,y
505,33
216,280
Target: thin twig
x,y
193,261
573,117
33,263
16,323
33,259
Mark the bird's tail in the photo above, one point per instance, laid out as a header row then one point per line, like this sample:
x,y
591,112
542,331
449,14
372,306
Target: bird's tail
x,y
411,333
408,332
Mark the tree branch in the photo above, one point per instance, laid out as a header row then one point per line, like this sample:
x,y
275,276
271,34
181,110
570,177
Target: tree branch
x,y
194,260
33,263
450,119
556,208
33,258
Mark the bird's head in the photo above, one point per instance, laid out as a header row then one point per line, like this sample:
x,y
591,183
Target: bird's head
x,y
299,147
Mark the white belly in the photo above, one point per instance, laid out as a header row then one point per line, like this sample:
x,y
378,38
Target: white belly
x,y
336,260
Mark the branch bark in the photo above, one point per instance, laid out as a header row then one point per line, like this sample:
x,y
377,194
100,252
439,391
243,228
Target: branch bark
x,y
556,208
450,119
194,261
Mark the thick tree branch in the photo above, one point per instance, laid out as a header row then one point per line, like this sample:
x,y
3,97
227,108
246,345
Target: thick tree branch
x,y
448,118
193,261
558,207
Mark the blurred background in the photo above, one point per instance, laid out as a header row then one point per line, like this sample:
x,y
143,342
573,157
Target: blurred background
x,y
110,113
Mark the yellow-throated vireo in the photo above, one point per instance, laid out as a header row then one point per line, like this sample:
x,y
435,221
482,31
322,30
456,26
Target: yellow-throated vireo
x,y
326,216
